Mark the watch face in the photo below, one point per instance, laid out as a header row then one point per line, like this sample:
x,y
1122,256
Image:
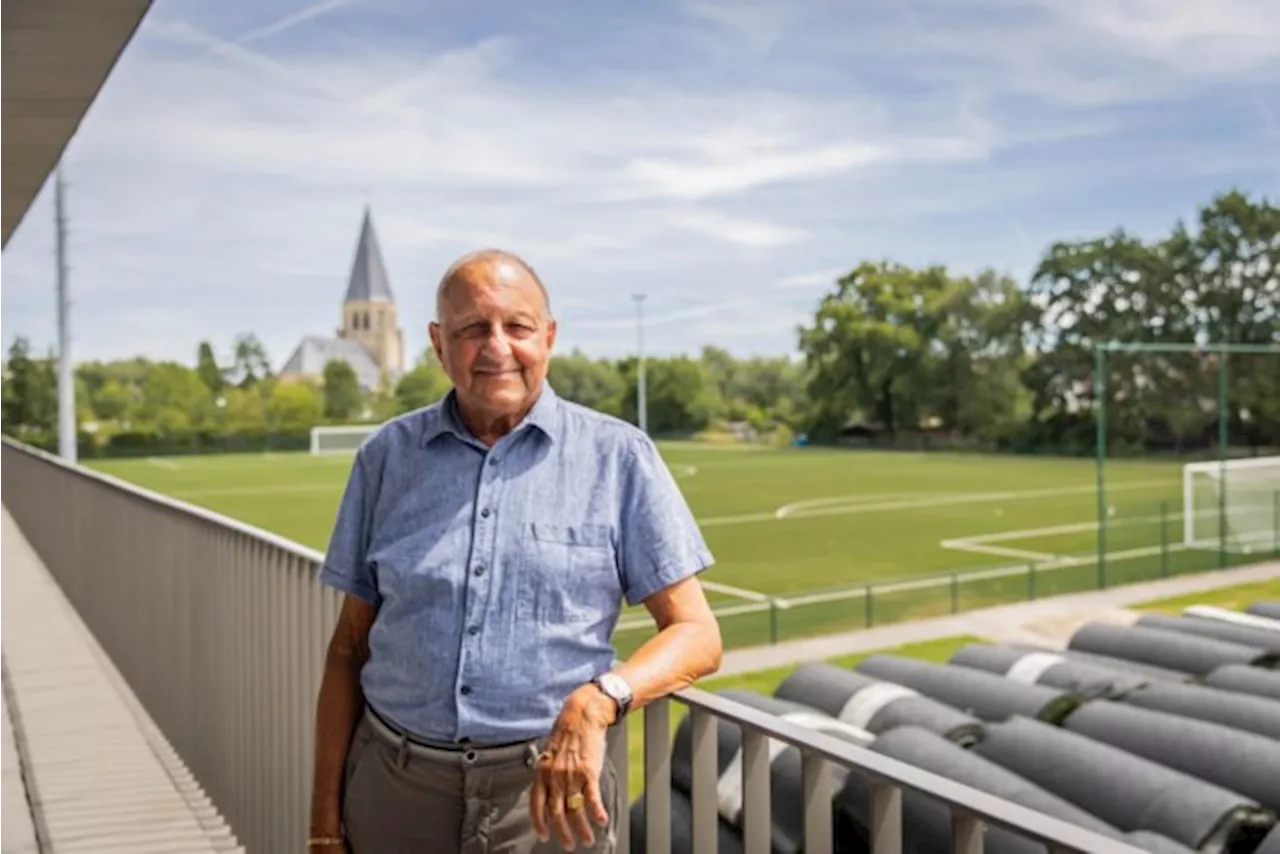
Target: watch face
x,y
616,687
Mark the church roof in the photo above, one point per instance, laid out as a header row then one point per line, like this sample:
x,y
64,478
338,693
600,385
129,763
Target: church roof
x,y
368,271
314,351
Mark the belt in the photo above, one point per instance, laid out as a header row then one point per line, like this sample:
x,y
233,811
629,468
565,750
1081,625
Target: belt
x,y
467,753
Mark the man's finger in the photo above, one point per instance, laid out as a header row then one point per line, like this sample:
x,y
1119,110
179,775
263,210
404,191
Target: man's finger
x,y
538,807
595,801
556,793
581,825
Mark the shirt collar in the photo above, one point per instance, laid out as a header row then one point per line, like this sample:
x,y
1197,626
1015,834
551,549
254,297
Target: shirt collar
x,y
544,416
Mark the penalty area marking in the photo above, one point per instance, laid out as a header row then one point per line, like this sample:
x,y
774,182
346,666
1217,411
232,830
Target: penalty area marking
x,y
740,592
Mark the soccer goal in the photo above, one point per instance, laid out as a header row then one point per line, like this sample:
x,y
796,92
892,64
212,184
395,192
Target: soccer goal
x,y
340,438
1251,485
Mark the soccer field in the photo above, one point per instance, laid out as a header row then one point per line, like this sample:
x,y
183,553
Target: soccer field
x,y
782,522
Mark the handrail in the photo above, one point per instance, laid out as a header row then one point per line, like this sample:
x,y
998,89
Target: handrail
x,y
1012,816
172,504
246,605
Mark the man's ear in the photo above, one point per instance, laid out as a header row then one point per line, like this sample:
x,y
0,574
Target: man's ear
x,y
433,329
551,334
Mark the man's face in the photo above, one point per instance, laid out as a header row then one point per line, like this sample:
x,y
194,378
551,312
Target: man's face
x,y
494,336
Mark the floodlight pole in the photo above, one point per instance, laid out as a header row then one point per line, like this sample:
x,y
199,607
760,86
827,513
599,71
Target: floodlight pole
x,y
642,404
66,375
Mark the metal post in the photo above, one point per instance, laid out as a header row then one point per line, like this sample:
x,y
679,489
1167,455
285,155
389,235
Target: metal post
x,y
642,403
868,606
1222,457
66,374
1275,521
1164,539
1100,417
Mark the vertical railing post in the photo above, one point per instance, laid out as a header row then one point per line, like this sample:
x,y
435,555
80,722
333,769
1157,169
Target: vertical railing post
x,y
1164,539
773,620
657,777
868,607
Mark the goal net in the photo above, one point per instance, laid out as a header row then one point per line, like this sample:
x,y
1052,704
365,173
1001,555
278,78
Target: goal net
x,y
1249,489
341,438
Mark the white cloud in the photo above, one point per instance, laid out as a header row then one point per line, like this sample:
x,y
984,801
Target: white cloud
x,y
737,155
744,232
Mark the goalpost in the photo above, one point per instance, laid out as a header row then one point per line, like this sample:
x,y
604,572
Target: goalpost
x,y
1252,499
340,438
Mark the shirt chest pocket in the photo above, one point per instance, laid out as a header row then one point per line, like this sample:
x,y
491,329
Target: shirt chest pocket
x,y
568,574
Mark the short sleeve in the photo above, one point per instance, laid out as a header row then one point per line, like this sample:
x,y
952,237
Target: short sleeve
x,y
346,563
660,542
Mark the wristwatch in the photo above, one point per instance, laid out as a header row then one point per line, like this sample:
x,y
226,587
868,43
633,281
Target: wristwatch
x,y
615,688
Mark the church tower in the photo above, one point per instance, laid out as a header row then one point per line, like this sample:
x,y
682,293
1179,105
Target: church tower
x,y
369,310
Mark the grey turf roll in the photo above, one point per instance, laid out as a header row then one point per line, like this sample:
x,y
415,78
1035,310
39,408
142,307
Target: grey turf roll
x,y
1243,679
728,836
1243,762
873,705
926,824
785,776
1110,662
1242,711
1163,648
1126,791
1155,843
1261,638
1270,845
929,751
989,697
1266,608
1047,668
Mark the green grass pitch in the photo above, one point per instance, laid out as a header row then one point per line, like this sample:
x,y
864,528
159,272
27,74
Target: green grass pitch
x,y
782,522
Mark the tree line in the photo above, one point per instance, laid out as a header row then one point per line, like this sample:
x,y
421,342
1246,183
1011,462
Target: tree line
x,y
893,356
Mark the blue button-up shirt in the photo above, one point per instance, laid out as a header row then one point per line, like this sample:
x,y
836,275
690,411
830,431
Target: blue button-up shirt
x,y
498,573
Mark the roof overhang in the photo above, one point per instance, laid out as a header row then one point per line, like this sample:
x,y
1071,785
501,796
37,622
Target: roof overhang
x,y
57,54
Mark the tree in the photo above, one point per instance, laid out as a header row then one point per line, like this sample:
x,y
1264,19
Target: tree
x,y
341,390
250,361
596,384
30,394
207,368
423,385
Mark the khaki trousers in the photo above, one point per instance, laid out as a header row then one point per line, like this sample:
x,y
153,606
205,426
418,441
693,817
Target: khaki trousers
x,y
403,798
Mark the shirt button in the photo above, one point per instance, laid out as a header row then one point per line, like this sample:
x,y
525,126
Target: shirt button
x,y
493,461
466,689
474,630
479,570
484,513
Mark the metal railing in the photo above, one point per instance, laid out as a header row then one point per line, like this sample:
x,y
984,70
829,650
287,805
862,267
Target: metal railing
x,y
220,630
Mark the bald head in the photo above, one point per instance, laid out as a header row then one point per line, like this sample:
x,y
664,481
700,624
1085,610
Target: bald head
x,y
488,268
493,335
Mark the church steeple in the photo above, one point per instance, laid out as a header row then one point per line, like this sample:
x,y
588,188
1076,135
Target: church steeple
x,y
368,281
369,309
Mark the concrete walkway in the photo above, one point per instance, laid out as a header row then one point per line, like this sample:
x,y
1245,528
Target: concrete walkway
x,y
85,769
1045,621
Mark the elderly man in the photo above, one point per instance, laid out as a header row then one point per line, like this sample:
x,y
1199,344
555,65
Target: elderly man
x,y
484,545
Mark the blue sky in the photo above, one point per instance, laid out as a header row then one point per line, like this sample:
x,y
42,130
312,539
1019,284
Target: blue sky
x,y
726,158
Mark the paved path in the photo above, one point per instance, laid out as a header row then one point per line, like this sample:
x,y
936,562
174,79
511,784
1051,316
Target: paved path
x,y
85,769
1052,616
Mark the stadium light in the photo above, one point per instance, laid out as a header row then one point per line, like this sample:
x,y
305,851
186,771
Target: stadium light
x,y
642,405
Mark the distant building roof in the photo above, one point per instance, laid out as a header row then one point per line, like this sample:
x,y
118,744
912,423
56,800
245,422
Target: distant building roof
x,y
314,351
368,272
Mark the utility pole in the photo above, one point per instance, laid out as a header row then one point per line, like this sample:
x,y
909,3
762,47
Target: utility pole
x,y
66,375
642,405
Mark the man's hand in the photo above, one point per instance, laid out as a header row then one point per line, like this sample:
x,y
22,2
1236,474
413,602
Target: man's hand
x,y
569,770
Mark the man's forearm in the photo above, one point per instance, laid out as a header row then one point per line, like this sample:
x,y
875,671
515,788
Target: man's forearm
x,y
673,659
338,707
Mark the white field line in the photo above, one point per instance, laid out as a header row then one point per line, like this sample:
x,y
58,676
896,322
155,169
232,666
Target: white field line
x,y
740,592
162,463
999,551
855,505
683,470
925,583
854,501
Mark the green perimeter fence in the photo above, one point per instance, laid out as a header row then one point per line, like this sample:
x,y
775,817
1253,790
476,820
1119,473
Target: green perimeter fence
x,y
1149,542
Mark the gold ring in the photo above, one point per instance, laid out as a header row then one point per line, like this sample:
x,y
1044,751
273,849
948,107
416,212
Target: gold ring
x,y
575,801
